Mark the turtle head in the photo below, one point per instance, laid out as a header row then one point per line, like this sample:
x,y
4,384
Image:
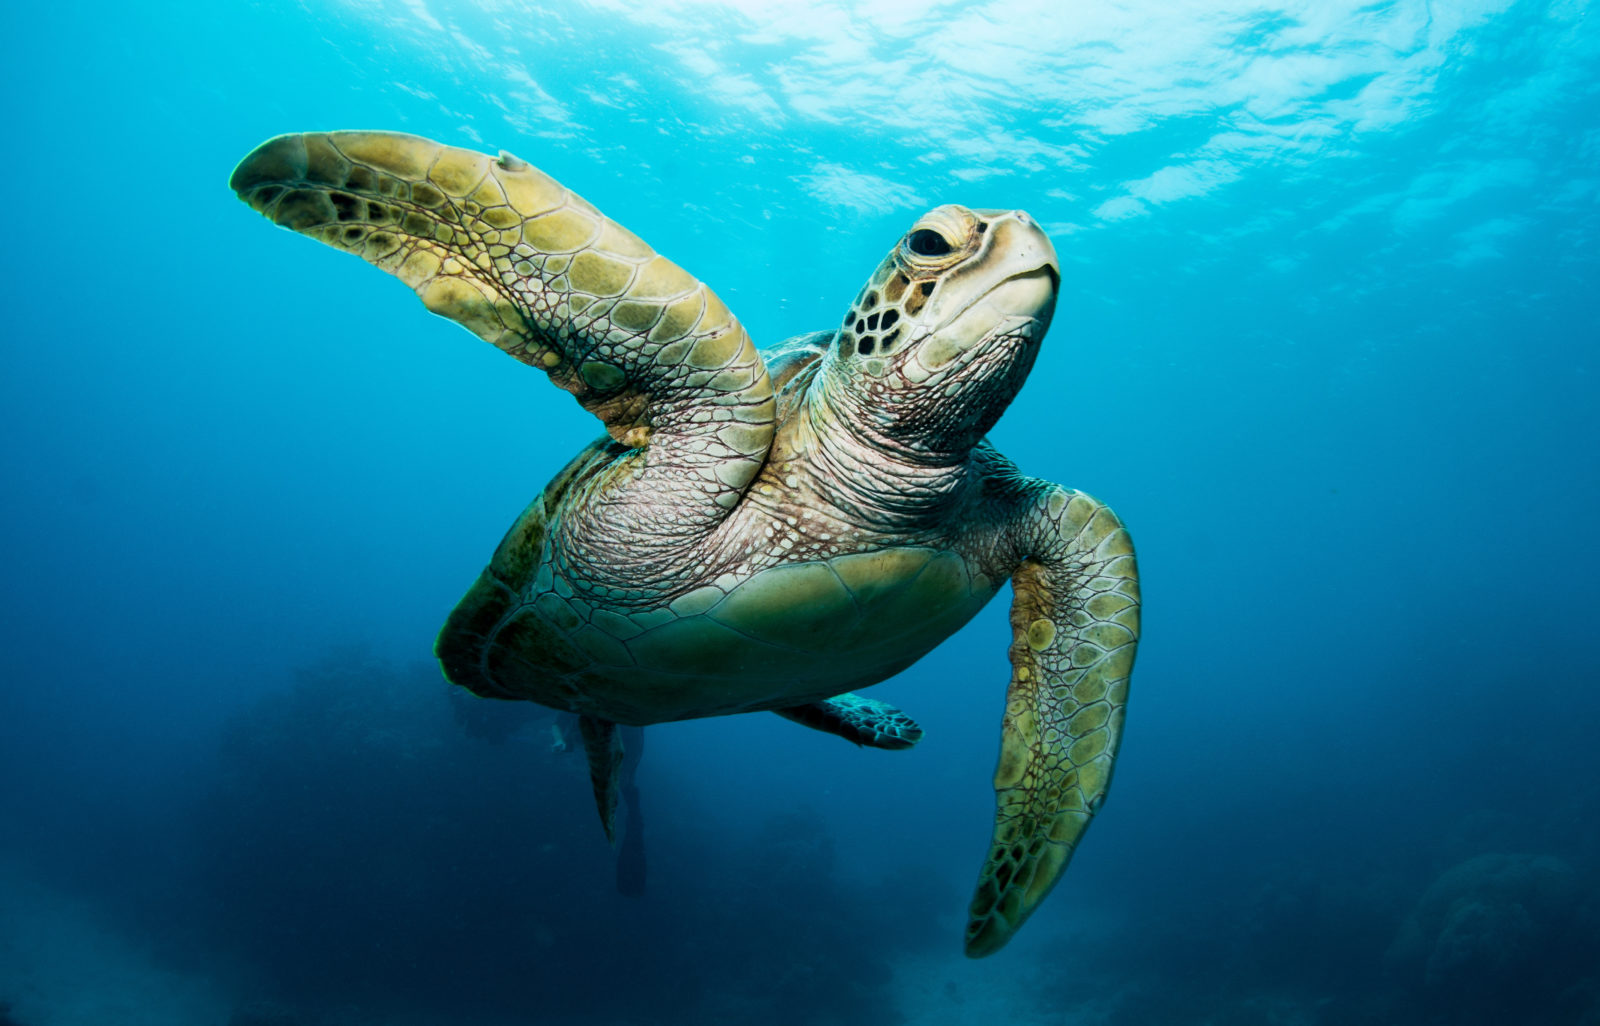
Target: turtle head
x,y
941,338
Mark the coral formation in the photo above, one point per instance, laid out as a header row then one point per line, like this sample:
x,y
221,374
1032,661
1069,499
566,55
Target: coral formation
x,y
1499,934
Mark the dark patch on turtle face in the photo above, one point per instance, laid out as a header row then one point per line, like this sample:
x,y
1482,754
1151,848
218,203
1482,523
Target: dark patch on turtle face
x,y
874,323
917,298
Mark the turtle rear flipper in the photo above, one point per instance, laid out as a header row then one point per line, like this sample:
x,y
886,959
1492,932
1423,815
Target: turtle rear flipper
x,y
866,721
602,742
524,263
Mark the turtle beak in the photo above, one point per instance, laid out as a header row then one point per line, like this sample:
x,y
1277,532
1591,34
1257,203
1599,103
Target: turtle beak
x,y
1029,293
1028,246
1020,265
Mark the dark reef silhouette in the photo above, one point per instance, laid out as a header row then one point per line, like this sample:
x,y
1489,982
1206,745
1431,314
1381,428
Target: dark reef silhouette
x,y
367,845
359,845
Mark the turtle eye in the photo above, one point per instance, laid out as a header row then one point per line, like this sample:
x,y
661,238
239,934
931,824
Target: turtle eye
x,y
927,242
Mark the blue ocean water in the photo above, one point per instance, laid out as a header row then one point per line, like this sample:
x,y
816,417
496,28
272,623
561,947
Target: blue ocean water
x,y
1325,340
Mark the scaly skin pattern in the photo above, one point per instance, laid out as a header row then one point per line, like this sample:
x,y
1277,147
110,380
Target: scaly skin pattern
x,y
758,531
866,721
525,264
1075,626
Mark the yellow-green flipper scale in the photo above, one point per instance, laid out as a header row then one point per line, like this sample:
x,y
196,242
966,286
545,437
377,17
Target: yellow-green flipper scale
x,y
523,262
1075,626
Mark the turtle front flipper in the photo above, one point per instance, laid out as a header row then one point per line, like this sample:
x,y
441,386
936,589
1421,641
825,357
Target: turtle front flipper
x,y
526,264
602,742
1075,625
866,721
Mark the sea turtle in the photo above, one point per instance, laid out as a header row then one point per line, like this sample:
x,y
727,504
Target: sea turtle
x,y
758,530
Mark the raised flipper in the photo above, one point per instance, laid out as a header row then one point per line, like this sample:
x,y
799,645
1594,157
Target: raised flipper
x,y
866,721
602,742
526,264
1075,624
